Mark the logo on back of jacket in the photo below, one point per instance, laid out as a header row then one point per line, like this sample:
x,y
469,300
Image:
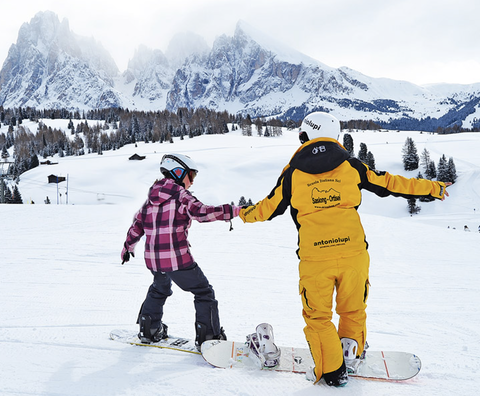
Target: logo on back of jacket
x,y
325,198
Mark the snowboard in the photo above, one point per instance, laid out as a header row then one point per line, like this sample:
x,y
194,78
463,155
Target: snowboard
x,y
174,343
379,365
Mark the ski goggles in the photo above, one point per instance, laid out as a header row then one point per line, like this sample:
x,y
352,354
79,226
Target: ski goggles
x,y
192,174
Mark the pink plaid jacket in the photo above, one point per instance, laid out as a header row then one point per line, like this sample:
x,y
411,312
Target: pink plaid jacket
x,y
164,219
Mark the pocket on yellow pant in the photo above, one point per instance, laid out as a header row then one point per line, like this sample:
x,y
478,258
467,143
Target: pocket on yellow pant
x,y
304,296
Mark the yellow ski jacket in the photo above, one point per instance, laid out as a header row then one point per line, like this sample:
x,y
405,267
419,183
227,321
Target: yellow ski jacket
x,y
322,185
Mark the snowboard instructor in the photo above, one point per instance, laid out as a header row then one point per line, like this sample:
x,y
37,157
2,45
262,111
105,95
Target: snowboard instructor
x,y
322,185
164,219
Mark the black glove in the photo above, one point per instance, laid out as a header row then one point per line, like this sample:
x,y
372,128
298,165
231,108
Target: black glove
x,y
126,256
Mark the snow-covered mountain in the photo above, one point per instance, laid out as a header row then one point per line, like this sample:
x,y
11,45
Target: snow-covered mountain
x,y
248,73
149,75
147,78
52,67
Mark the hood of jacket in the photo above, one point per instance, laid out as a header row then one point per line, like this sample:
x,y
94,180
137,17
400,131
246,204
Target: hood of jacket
x,y
163,190
319,156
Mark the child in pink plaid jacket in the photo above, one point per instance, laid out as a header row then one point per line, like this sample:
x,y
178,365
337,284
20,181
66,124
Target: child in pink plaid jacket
x,y
164,219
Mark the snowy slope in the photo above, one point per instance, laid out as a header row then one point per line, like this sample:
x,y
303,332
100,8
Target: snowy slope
x,y
63,288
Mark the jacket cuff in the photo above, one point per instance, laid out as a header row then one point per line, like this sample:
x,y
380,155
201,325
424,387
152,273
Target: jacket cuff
x,y
441,190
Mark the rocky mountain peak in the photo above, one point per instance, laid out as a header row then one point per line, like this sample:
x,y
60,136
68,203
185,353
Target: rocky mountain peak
x,y
248,73
47,58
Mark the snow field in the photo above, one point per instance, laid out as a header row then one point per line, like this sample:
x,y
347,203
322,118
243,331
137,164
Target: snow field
x,y
63,287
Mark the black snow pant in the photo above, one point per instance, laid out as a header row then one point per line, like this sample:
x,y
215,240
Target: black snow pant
x,y
191,280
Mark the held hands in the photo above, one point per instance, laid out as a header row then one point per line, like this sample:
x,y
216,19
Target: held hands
x,y
236,210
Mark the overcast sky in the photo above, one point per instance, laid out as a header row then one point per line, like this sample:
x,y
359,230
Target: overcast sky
x,y
422,41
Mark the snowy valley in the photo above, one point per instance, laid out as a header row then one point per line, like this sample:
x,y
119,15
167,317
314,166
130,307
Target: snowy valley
x,y
63,287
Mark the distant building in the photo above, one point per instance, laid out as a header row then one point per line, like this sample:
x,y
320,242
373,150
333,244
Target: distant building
x,y
55,179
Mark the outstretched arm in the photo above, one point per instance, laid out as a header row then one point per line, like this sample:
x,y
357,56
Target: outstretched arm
x,y
274,204
384,184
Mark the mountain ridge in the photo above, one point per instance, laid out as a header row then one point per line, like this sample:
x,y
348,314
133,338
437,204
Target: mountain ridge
x,y
248,73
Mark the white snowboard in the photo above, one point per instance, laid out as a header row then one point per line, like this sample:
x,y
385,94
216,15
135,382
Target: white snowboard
x,y
382,365
174,343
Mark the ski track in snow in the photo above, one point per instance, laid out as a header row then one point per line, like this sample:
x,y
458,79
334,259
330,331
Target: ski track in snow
x,y
63,288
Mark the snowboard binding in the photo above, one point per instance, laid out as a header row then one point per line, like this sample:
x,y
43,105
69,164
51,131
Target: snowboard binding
x,y
202,336
263,347
147,334
350,348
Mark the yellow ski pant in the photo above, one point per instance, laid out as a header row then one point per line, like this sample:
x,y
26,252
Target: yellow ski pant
x,y
318,281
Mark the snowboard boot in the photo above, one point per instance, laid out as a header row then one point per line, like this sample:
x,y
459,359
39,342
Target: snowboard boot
x,y
148,334
263,346
160,333
201,334
338,377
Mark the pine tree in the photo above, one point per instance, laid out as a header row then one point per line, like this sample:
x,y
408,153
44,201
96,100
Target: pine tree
x,y
242,201
259,126
431,171
225,127
362,154
71,126
425,159
442,169
10,141
5,154
370,161
348,144
410,156
17,197
412,206
8,195
34,161
3,189
135,125
247,126
452,171
247,129
290,124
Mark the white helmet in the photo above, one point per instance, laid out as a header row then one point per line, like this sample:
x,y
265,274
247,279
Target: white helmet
x,y
176,166
319,124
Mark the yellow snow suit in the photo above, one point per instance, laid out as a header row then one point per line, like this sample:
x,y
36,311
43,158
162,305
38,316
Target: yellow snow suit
x,y
322,185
